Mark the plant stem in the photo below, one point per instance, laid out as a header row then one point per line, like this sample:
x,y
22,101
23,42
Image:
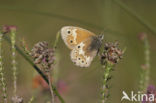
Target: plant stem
x,y
23,10
122,5
138,17
31,100
147,61
13,41
2,79
56,40
106,76
61,17
51,90
145,72
35,67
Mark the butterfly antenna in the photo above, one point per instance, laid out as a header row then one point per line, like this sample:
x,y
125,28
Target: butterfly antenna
x,y
101,36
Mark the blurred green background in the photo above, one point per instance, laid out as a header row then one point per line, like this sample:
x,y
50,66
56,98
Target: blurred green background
x,y
40,20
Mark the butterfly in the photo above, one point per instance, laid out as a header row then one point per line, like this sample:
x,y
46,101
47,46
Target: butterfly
x,y
84,44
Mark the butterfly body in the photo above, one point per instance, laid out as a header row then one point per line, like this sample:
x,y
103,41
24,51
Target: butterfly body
x,y
84,44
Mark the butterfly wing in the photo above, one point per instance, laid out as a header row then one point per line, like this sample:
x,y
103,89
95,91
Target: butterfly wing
x,y
83,54
72,36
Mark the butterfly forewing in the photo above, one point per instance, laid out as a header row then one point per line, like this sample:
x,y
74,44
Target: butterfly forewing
x,y
72,36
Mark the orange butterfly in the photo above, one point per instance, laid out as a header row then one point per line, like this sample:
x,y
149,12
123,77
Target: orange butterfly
x,y
84,44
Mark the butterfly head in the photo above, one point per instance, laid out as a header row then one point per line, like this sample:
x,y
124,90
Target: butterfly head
x,y
100,37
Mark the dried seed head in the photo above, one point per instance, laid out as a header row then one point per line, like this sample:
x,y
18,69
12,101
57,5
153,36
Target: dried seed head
x,y
37,51
43,55
10,28
151,89
17,99
48,58
144,66
142,36
111,53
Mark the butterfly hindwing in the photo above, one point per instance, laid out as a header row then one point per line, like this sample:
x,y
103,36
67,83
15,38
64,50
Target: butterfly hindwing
x,y
72,36
82,55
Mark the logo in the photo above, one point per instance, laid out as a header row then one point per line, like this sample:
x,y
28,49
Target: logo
x,y
137,97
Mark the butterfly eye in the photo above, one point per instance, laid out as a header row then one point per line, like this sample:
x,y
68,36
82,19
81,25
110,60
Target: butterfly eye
x,y
68,32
